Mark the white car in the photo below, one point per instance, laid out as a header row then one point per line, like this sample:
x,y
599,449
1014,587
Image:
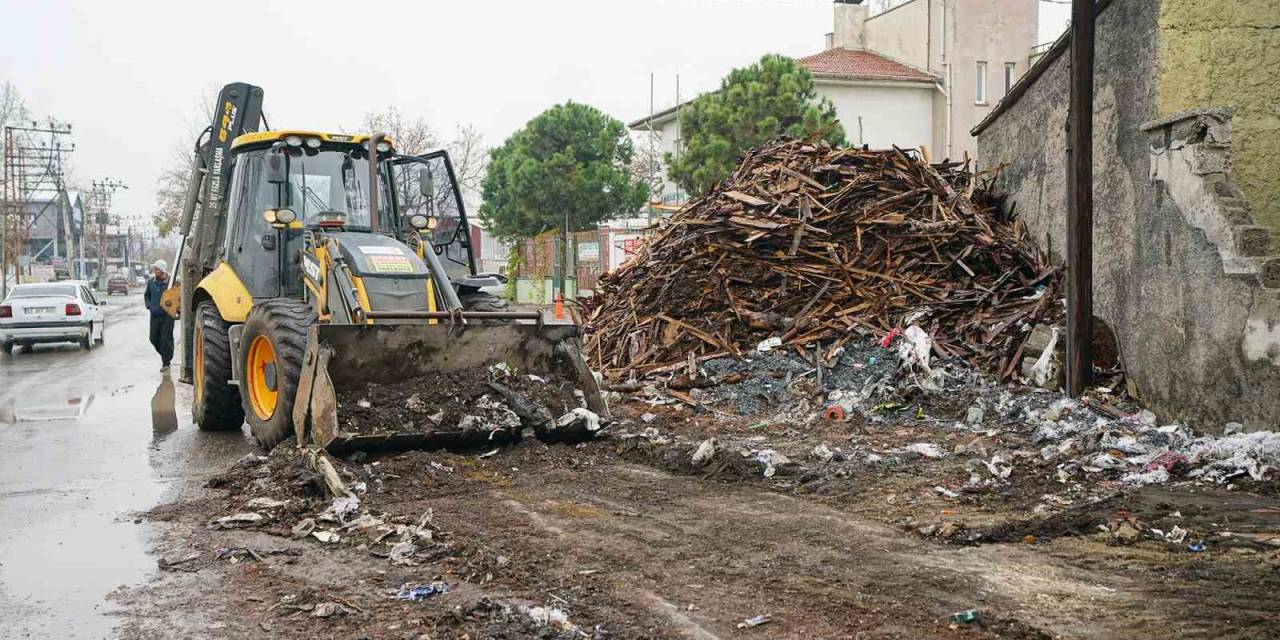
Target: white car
x,y
51,312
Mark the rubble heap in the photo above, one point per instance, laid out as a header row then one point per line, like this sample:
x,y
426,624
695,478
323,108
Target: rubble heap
x,y
807,244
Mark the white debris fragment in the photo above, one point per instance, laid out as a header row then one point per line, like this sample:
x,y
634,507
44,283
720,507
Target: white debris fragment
x,y
1042,370
327,537
416,404
240,519
926,449
823,453
499,371
402,554
705,452
647,417
265,503
769,344
584,418
363,403
550,617
946,492
973,415
915,347
771,460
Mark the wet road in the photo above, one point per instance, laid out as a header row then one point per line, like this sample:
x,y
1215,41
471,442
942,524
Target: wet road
x,y
86,440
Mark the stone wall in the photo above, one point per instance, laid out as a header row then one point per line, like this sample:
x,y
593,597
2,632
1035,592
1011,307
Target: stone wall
x,y
1176,271
1226,53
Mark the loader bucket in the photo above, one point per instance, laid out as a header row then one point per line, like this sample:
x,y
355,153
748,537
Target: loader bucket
x,y
341,358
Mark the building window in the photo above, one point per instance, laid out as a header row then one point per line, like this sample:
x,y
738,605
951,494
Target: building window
x,y
980,84
1009,75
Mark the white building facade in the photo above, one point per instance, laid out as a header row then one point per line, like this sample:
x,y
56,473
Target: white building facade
x,y
918,75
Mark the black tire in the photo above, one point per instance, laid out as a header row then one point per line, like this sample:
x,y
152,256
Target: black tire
x,y
8,348
102,335
284,324
86,342
215,403
482,301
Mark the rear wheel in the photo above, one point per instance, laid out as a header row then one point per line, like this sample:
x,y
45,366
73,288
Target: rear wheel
x,y
8,348
275,339
86,341
215,403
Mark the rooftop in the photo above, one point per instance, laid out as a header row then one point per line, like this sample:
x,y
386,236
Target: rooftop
x,y
860,64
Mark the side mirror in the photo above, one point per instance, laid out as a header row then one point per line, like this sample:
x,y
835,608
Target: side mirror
x,y
426,183
275,168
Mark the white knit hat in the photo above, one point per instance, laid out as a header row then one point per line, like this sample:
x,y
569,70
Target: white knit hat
x,y
161,265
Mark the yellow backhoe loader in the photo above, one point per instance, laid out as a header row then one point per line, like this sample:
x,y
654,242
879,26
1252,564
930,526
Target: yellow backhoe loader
x,y
317,263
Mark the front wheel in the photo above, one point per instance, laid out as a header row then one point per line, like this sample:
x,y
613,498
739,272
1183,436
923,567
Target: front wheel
x,y
272,348
86,341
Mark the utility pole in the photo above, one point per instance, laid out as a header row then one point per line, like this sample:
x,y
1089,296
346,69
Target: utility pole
x,y
1080,202
32,165
103,190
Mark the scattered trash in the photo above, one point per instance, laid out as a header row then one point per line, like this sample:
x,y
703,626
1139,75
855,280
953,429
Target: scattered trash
x,y
973,415
549,617
422,591
823,453
755,621
647,417
328,610
265,503
965,617
1196,547
402,553
303,528
946,492
771,460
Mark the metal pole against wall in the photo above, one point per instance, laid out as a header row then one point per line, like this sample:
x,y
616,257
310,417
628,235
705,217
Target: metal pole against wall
x,y
1080,201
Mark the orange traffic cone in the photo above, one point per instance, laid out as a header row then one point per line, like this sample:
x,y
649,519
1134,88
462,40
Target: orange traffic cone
x,y
559,306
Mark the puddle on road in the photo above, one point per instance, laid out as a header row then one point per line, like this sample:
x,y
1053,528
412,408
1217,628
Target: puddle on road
x,y
39,411
75,470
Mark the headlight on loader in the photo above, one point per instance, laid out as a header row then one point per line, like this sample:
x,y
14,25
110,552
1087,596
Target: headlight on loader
x,y
421,222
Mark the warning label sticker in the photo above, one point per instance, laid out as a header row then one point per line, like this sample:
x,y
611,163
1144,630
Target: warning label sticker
x,y
390,264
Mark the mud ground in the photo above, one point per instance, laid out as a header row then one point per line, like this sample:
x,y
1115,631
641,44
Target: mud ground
x,y
627,539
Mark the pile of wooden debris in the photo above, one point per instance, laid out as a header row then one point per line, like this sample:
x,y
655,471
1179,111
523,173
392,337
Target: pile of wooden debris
x,y
817,246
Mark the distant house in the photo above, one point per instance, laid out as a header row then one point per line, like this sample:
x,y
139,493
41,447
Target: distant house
x,y
55,229
918,75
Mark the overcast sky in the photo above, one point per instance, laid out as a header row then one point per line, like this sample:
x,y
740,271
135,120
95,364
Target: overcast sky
x,y
129,74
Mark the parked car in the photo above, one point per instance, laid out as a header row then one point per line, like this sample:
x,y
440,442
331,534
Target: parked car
x,y
118,284
51,312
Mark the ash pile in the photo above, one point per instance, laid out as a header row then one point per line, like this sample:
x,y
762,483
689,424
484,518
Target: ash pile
x,y
812,247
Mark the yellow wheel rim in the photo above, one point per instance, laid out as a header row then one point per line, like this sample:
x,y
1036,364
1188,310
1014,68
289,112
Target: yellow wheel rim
x,y
260,377
199,364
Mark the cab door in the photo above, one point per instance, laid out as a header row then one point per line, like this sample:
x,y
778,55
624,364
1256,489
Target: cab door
x,y
451,237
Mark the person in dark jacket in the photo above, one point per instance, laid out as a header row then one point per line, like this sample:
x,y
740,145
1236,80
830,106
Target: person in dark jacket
x,y
161,322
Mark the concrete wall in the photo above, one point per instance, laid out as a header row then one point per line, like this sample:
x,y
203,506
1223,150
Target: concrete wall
x,y
995,31
849,23
901,33
1227,53
892,113
1198,343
